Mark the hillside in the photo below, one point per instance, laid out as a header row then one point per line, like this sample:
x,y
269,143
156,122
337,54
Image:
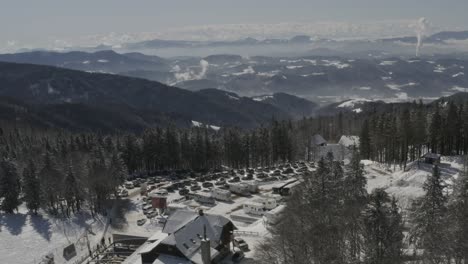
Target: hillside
x,y
124,98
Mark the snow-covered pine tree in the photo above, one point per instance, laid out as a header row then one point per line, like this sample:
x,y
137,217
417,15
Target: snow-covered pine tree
x,y
383,233
355,198
10,186
32,187
429,219
458,212
365,141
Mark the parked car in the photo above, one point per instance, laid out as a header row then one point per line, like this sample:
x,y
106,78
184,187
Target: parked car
x,y
261,176
147,208
195,188
123,193
152,214
234,179
184,192
141,222
248,177
276,173
240,243
220,182
207,184
237,256
129,185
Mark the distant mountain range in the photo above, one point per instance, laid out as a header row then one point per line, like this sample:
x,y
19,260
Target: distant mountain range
x,y
79,100
317,78
437,38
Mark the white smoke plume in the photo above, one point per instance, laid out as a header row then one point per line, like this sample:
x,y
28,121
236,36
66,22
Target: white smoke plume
x,y
421,28
190,74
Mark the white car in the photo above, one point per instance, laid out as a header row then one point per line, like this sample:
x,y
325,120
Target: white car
x,y
123,193
240,243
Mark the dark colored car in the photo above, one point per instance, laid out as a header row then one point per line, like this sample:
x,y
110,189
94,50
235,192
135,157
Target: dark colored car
x,y
207,184
195,188
184,192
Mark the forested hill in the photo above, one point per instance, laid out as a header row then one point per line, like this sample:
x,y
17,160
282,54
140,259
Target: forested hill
x,y
80,94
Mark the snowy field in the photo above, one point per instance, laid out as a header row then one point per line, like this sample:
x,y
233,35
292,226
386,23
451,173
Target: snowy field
x,y
26,238
407,184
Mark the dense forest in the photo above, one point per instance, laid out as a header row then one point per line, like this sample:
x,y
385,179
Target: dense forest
x,y
72,169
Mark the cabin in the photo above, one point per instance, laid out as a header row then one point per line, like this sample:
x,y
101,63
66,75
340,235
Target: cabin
x,y
432,158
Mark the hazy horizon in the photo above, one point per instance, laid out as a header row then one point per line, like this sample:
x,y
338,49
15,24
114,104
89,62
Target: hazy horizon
x,y
53,23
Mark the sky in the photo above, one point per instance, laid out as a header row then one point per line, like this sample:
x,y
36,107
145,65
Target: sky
x,y
36,22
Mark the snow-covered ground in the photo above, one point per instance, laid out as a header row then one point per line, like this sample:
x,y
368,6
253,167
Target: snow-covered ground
x,y
26,238
407,184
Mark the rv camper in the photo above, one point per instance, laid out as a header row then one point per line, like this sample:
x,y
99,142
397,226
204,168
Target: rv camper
x,y
222,195
240,189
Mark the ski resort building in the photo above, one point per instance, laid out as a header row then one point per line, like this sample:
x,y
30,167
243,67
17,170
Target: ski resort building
x,y
188,237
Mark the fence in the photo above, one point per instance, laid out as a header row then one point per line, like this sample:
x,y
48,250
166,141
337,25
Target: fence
x,y
246,233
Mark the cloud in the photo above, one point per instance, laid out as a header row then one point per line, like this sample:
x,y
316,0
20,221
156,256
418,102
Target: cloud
x,y
190,74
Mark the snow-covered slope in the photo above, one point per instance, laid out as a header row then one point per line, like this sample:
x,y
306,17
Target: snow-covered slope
x,y
27,238
407,184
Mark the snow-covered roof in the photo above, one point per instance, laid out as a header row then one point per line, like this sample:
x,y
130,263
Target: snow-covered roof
x,y
186,230
157,236
278,209
181,218
167,259
319,140
349,141
252,203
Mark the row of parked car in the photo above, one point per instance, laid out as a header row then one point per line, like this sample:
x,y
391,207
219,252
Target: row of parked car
x,y
221,179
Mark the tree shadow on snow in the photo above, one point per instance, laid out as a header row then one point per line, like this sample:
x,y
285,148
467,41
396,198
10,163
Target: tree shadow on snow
x,y
13,223
42,226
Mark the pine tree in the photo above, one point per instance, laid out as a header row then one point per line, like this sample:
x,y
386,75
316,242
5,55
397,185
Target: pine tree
x,y
32,187
9,186
365,141
383,231
355,198
51,177
435,133
429,219
458,212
